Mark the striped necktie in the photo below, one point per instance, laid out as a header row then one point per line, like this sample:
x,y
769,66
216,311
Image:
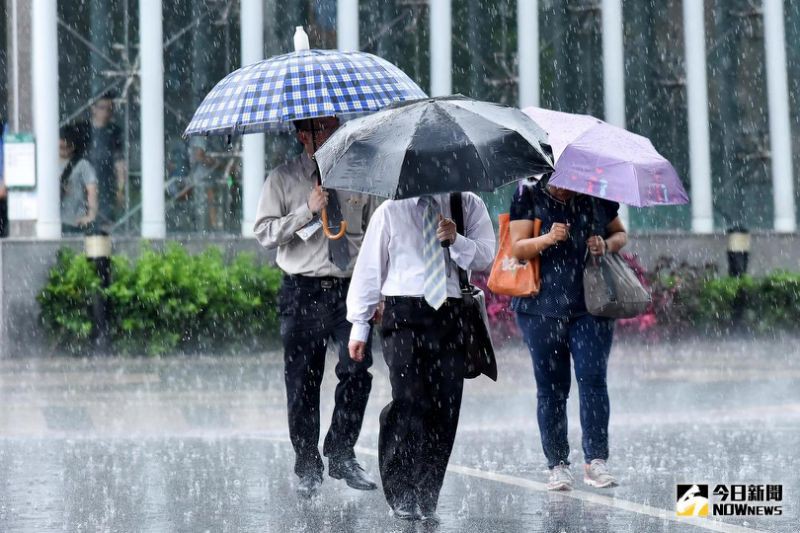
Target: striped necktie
x,y
432,255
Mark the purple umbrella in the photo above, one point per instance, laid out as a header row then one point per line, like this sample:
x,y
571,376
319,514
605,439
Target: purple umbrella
x,y
598,159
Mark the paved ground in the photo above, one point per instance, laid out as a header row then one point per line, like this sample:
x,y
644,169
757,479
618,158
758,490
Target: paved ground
x,y
200,445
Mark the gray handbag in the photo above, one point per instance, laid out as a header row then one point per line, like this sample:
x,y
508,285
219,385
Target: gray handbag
x,y
610,287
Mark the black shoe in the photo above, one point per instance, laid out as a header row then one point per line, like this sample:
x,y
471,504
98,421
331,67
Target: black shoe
x,y
352,473
428,513
309,486
406,511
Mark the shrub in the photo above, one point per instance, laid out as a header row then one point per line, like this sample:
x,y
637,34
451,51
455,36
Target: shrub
x,y
166,301
776,303
676,290
66,299
689,299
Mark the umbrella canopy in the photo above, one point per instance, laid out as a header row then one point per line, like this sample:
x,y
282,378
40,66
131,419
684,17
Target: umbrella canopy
x,y
270,94
432,146
598,159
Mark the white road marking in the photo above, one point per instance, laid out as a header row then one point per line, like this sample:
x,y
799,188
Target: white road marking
x,y
590,497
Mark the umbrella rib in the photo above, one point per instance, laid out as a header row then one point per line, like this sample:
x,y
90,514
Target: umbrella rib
x,y
480,117
457,126
474,148
406,151
638,186
327,85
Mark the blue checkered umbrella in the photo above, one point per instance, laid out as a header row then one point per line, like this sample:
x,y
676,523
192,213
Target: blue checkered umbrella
x,y
270,94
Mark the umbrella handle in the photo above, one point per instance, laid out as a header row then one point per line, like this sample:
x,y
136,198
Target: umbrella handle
x,y
326,230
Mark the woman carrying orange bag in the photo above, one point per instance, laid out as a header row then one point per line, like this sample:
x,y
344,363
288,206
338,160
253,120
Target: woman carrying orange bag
x,y
509,275
556,325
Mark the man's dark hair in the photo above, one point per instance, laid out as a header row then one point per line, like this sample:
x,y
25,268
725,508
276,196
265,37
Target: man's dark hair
x,y
307,124
110,94
302,125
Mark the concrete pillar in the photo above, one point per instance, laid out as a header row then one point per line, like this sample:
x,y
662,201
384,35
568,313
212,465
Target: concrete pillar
x,y
697,109
45,117
252,41
528,52
441,43
152,118
347,25
780,133
614,73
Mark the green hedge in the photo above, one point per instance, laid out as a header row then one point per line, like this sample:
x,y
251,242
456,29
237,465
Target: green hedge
x,y
166,301
694,299
170,301
770,303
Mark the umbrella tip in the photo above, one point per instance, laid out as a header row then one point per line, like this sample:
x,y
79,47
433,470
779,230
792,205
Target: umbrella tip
x,y
300,39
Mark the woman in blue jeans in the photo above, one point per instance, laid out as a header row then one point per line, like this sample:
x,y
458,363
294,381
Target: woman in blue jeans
x,y
556,325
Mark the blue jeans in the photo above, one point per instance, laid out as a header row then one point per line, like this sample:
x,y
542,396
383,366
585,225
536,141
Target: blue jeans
x,y
551,341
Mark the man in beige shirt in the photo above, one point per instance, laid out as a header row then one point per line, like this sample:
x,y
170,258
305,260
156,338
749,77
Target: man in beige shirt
x,y
312,307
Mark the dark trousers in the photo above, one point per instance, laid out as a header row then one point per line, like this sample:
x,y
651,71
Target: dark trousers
x,y
312,312
424,351
551,341
3,217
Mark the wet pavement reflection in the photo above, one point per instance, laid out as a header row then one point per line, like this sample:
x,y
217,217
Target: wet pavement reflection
x,y
200,444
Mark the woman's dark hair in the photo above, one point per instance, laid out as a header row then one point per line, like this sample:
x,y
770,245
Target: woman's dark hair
x,y
76,134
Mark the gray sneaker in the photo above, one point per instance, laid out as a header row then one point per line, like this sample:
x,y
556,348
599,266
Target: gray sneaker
x,y
560,478
596,474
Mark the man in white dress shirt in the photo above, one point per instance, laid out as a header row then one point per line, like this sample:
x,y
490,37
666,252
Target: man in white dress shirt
x,y
403,262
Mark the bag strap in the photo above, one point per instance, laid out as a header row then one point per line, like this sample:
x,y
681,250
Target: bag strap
x,y
457,212
596,230
605,268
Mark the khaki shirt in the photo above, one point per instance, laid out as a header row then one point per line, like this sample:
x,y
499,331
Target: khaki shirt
x,y
283,210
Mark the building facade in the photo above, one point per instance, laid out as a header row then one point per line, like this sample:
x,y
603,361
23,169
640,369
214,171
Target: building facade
x,y
715,84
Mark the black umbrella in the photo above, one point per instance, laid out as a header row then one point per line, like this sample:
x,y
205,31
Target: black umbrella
x,y
432,146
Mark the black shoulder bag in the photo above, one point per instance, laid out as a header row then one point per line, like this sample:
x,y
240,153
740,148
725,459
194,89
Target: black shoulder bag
x,y
474,320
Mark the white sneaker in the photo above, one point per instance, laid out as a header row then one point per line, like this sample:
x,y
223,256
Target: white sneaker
x,y
596,474
560,478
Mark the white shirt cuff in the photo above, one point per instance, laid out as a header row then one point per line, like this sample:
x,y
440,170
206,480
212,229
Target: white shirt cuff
x,y
360,331
462,251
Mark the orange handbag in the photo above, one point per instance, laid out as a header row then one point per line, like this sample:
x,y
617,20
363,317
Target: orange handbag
x,y
509,275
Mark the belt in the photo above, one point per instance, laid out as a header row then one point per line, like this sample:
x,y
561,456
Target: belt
x,y
324,282
419,301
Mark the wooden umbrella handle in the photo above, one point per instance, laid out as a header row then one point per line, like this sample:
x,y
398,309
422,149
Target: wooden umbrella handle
x,y
326,230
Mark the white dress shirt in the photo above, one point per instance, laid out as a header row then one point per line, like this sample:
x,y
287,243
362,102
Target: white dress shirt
x,y
390,262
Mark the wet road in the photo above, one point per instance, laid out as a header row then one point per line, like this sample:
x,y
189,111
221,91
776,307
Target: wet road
x,y
200,444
